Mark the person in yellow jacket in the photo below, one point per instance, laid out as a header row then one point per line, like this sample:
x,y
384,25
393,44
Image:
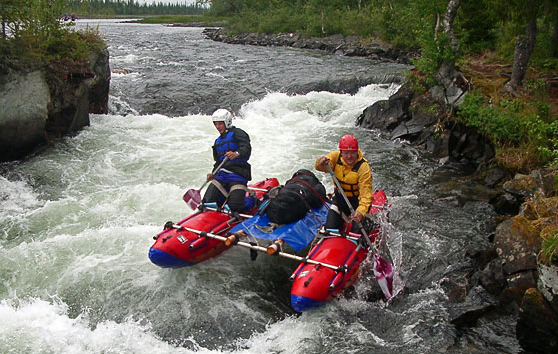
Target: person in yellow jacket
x,y
354,174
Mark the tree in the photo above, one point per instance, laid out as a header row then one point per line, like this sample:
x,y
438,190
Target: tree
x,y
447,23
525,43
9,14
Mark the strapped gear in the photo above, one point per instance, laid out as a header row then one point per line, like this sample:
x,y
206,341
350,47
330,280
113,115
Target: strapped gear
x,y
222,115
348,143
303,192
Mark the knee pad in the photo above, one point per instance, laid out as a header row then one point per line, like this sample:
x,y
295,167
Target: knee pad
x,y
236,200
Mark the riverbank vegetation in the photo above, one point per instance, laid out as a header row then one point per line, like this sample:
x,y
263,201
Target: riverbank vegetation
x,y
32,34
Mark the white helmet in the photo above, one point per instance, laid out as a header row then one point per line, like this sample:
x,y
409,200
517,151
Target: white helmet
x,y
222,115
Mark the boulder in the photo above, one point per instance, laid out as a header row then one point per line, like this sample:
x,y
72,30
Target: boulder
x,y
387,114
523,186
537,325
514,251
99,84
49,102
24,98
548,284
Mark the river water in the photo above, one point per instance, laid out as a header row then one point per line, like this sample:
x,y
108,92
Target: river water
x,y
77,218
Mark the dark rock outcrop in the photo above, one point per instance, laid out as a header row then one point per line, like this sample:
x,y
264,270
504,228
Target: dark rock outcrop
x,y
422,121
24,98
511,272
44,103
537,327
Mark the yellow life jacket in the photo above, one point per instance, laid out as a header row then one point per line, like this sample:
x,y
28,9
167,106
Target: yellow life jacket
x,y
348,181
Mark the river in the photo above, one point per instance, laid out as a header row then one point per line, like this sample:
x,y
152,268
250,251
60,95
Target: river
x,y
77,218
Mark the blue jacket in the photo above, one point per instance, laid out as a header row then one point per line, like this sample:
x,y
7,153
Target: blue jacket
x,y
234,139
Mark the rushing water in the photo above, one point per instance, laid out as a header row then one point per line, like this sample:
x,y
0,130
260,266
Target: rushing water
x,y
77,218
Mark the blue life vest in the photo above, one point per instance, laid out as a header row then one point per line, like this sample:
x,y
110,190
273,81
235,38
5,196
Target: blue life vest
x,y
227,143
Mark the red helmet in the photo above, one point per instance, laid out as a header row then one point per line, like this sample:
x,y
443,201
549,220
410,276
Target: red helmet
x,y
348,142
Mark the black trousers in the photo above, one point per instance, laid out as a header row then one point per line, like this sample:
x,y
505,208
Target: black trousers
x,y
236,198
334,219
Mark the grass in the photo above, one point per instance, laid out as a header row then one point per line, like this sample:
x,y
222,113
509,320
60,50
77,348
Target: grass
x,y
549,252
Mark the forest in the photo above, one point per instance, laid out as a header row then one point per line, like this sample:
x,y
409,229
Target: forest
x,y
95,8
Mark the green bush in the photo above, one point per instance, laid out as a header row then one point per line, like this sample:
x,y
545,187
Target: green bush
x,y
501,124
511,124
37,34
433,54
547,141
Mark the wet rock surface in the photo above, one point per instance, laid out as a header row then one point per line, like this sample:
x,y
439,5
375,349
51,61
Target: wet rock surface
x,y
49,102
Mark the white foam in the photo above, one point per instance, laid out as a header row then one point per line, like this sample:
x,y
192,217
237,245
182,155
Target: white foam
x,y
38,326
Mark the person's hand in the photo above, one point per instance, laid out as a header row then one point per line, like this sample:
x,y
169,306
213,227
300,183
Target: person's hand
x,y
210,176
357,216
322,161
232,154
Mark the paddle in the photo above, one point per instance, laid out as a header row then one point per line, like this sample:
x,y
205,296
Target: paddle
x,y
192,197
383,270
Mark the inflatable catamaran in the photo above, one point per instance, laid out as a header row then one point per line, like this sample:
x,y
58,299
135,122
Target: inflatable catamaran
x,y
331,265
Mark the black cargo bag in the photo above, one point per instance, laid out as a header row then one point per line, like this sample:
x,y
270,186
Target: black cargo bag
x,y
302,192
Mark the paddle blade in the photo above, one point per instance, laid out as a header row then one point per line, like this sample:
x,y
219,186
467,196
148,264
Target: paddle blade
x,y
192,197
383,271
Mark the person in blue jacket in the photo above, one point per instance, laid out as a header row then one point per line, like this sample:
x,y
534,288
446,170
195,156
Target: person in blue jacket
x,y
229,183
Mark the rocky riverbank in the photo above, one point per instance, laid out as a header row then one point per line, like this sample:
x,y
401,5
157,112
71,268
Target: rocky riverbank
x,y
337,44
41,102
511,272
508,279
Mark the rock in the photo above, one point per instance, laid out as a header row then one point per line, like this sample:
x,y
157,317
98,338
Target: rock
x,y
546,179
548,284
465,191
493,176
99,84
537,325
69,106
510,299
506,204
335,44
525,230
522,280
545,226
539,208
549,229
492,277
382,115
483,257
476,304
523,186
452,96
49,102
513,250
455,289
386,114
24,98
